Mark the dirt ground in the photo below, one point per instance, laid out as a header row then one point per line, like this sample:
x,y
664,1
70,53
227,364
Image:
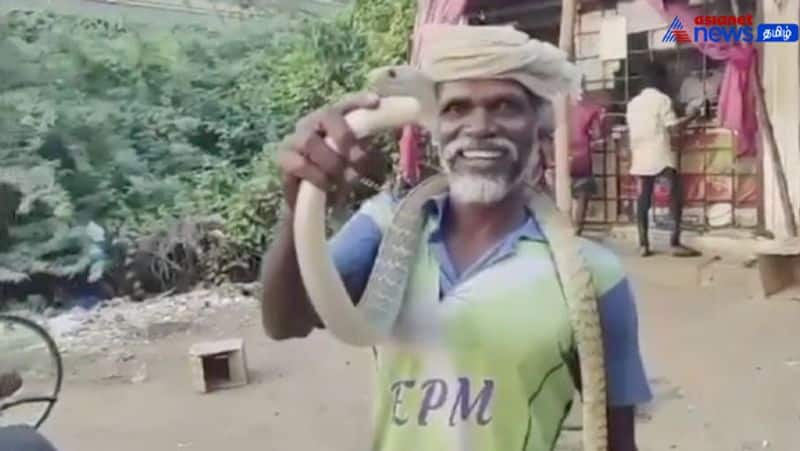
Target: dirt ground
x,y
723,364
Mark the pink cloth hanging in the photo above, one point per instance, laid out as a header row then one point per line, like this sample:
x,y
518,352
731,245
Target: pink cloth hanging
x,y
583,115
735,110
430,11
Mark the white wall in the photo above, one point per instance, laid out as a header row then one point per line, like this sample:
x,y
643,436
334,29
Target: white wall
x,y
781,77
639,15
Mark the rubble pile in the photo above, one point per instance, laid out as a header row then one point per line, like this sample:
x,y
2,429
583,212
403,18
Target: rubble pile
x,y
119,322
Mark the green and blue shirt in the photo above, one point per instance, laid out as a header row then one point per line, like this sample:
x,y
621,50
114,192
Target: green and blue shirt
x,y
486,355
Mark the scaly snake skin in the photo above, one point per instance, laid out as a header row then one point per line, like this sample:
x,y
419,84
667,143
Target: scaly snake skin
x,y
371,320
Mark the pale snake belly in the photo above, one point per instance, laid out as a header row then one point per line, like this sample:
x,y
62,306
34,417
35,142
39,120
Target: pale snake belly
x,y
370,321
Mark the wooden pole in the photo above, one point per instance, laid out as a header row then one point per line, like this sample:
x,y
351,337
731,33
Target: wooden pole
x,y
566,41
765,125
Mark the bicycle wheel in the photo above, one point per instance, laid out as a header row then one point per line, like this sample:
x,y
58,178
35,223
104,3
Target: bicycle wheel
x,y
31,372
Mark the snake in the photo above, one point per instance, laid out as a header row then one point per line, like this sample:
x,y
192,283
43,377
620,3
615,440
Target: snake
x,y
408,97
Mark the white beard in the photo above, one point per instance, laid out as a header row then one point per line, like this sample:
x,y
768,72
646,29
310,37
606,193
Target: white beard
x,y
485,189
478,189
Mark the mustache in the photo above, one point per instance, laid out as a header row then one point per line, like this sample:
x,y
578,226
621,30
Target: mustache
x,y
466,143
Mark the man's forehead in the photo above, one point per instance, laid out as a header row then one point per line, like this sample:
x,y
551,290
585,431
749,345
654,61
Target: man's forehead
x,y
479,88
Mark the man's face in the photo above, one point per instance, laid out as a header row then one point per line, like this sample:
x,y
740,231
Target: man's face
x,y
487,131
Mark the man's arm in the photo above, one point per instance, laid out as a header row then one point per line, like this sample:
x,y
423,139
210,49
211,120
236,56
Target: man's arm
x,y
675,124
285,308
627,382
621,429
305,155
679,124
286,311
600,126
627,379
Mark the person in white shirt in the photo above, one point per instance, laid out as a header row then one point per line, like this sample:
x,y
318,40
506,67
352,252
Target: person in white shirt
x,y
651,121
697,91
701,87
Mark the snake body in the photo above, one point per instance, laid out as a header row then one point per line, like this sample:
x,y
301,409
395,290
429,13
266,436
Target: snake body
x,y
370,321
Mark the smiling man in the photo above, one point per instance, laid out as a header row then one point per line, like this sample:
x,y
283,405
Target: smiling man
x,y
490,362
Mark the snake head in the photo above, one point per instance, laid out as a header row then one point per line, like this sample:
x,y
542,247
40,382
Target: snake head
x,y
402,80
405,80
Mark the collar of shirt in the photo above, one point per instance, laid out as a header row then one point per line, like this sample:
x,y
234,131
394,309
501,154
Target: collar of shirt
x,y
436,209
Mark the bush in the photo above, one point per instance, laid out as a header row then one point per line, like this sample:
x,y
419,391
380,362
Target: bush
x,y
112,130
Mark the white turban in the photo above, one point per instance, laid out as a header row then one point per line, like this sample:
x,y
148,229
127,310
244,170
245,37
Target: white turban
x,y
457,52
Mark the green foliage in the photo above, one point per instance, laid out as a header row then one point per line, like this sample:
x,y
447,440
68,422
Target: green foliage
x,y
387,26
100,122
134,127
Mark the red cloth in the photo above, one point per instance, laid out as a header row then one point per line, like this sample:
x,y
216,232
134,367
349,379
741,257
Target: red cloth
x,y
431,11
736,93
584,115
410,153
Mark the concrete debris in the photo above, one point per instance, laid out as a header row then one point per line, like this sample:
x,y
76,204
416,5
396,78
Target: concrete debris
x,y
755,445
119,322
68,322
141,374
166,328
125,356
250,289
110,369
706,271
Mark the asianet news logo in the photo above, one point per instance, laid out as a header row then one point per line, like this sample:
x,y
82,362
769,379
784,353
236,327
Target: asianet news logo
x,y
730,29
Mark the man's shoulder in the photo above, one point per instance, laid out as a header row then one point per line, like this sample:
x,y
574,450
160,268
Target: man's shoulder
x,y
647,103
636,103
657,96
606,266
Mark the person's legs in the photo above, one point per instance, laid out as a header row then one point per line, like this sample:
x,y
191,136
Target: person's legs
x,y
647,183
23,438
676,210
582,203
675,204
582,190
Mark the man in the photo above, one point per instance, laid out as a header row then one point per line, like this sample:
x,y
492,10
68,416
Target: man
x,y
586,124
700,88
492,366
651,122
586,128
